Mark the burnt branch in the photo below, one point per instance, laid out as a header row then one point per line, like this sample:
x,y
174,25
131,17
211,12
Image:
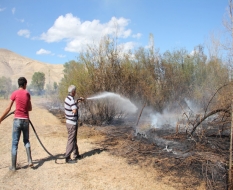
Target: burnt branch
x,y
208,115
140,113
214,96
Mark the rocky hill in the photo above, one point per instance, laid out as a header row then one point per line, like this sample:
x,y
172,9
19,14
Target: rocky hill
x,y
14,66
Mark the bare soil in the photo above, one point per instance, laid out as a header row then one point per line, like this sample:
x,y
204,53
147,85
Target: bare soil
x,y
101,167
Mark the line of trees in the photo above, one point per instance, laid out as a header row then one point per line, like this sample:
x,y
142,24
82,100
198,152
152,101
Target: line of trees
x,y
146,76
37,86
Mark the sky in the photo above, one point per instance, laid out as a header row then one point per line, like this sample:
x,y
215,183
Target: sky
x,y
56,31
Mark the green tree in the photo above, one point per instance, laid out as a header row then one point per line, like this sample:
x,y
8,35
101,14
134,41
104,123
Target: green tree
x,y
38,82
75,73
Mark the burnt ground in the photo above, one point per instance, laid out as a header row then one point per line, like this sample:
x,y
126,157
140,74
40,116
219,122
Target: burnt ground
x,y
189,160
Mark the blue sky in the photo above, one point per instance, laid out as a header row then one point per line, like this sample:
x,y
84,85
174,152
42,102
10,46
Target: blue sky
x,y
55,32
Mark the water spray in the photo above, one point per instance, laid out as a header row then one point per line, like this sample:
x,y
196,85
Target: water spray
x,y
122,102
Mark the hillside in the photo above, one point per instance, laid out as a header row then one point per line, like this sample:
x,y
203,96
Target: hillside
x,y
14,66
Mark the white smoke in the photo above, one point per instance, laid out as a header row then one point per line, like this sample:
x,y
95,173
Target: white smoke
x,y
158,120
192,106
172,116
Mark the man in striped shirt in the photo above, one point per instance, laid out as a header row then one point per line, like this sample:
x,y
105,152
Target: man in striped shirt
x,y
71,113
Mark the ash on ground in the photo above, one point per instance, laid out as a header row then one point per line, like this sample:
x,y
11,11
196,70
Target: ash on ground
x,y
170,149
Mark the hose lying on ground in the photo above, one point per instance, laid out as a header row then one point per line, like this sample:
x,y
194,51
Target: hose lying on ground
x,y
36,137
41,142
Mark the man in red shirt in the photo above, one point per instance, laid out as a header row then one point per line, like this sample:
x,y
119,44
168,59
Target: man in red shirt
x,y
22,99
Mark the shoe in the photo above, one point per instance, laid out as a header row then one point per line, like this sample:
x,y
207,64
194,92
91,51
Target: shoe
x,y
70,161
79,157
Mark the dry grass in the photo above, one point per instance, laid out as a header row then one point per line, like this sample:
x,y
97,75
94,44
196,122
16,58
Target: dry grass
x,y
101,170
118,141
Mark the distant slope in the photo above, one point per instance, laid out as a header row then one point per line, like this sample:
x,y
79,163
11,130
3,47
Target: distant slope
x,y
14,66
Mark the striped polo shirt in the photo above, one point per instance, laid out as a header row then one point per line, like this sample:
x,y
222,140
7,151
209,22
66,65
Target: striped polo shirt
x,y
70,105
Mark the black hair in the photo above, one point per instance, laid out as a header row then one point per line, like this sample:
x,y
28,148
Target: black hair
x,y
22,81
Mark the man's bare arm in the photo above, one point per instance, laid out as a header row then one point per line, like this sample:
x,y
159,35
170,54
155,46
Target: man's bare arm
x,y
8,109
30,106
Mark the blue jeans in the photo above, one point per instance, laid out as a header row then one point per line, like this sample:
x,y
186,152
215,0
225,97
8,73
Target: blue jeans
x,y
18,126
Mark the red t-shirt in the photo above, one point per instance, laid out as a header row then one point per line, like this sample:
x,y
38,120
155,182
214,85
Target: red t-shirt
x,y
22,99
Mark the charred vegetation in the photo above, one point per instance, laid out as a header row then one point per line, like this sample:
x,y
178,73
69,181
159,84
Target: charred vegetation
x,y
189,96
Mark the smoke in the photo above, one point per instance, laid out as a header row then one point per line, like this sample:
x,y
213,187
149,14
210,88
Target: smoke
x,y
170,116
159,120
120,102
193,107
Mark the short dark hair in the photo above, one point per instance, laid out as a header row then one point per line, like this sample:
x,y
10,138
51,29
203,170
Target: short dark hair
x,y
22,81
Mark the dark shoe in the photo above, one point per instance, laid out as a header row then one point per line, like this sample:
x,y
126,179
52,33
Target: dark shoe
x,y
70,161
79,157
13,162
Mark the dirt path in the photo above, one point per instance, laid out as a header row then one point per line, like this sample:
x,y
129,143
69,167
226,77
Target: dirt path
x,y
97,171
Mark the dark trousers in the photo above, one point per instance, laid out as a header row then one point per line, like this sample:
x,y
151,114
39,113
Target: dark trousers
x,y
72,146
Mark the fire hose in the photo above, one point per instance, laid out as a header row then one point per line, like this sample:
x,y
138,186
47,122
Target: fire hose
x,y
36,137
